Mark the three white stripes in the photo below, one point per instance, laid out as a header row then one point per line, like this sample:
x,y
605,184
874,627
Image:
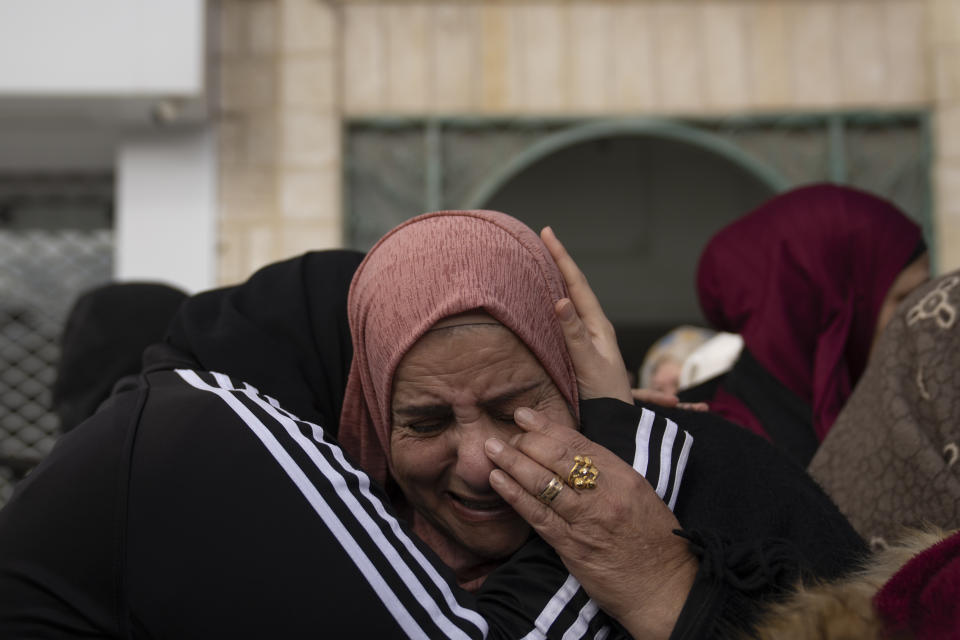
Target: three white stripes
x,y
553,608
641,458
390,600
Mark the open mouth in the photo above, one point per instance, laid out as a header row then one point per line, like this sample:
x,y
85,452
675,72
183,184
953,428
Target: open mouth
x,y
486,504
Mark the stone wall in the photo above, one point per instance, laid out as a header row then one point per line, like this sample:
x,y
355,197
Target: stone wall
x,y
291,70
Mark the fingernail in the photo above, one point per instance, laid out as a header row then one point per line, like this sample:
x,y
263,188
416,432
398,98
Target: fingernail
x,y
565,310
523,415
497,478
493,446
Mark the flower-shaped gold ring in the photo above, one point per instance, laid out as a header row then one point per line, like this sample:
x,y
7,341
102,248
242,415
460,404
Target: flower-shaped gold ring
x,y
584,473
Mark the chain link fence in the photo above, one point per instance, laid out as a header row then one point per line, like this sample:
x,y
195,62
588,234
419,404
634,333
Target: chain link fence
x,y
52,247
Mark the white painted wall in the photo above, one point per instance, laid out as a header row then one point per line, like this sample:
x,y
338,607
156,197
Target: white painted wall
x,y
101,47
166,208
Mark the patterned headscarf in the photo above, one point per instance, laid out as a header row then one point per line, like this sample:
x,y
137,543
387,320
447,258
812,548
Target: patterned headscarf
x,y
891,458
431,267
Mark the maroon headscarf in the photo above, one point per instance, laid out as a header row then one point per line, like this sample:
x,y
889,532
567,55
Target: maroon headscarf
x,y
431,267
921,599
802,279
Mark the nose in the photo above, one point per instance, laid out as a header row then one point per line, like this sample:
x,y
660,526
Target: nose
x,y
473,467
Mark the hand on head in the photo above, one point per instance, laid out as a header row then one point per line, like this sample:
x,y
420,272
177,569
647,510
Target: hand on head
x,y
589,334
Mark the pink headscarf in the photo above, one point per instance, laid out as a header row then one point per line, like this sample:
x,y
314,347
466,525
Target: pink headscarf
x,y
428,268
802,279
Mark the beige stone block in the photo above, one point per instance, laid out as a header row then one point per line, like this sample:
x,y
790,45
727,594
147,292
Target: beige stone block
x,y
496,55
308,81
231,255
246,193
768,65
725,59
946,221
632,70
262,246
307,26
679,56
590,55
457,57
862,62
946,189
538,72
298,238
231,21
262,27
247,84
309,139
364,59
944,17
408,31
946,69
948,247
946,131
230,140
260,139
904,45
248,141
814,53
307,194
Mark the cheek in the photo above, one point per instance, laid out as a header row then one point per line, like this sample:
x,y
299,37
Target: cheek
x,y
418,459
558,413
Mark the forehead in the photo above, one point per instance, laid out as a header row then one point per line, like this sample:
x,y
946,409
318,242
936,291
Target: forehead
x,y
471,350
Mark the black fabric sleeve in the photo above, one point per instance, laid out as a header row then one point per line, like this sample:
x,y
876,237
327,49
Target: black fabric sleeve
x,y
195,507
61,534
755,520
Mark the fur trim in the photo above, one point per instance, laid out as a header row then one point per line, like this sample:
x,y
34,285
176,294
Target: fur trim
x,y
843,610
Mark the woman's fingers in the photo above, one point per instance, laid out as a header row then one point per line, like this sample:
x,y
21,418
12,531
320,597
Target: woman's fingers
x,y
582,295
652,396
533,478
588,333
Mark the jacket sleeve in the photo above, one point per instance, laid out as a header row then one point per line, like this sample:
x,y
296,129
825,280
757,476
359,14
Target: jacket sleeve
x,y
756,521
195,507
281,535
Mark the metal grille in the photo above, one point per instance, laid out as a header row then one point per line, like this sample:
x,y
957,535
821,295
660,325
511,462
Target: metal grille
x,y
634,199
52,247
396,168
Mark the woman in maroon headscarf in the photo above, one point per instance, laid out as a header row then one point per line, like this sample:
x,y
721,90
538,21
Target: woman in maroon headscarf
x,y
808,279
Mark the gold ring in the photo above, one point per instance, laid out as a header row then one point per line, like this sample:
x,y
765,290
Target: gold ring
x,y
551,491
584,473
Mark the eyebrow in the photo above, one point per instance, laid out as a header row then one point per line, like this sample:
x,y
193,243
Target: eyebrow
x,y
441,410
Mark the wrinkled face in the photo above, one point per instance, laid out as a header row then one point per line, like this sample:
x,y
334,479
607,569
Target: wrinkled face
x,y
915,274
455,388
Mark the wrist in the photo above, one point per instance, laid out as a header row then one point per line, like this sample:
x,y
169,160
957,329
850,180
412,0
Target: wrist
x,y
656,615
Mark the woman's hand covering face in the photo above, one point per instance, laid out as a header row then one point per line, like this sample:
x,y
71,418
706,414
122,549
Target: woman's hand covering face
x,y
617,539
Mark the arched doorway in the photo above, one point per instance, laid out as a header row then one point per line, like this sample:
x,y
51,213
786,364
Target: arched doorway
x,y
634,203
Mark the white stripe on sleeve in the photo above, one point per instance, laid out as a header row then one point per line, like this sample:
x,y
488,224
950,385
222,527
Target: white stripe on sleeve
x,y
642,452
681,467
316,500
349,499
666,455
